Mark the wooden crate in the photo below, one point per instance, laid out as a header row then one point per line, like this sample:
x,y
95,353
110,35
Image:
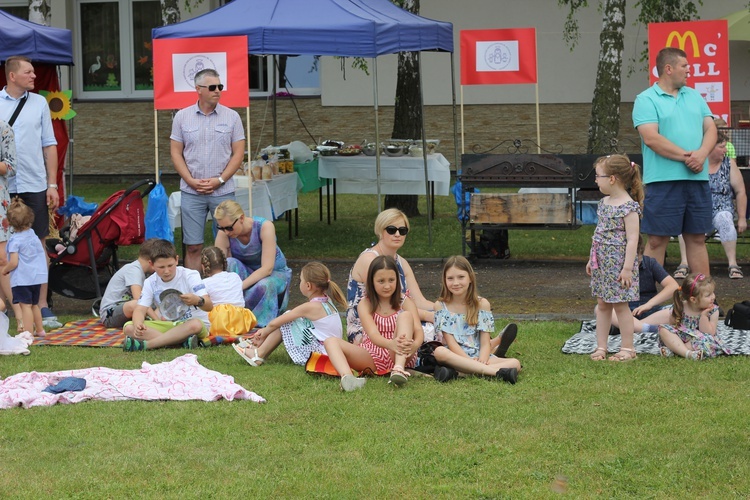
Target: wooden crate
x,y
521,209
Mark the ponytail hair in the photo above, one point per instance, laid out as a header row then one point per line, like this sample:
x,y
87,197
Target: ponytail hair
x,y
627,172
694,285
319,275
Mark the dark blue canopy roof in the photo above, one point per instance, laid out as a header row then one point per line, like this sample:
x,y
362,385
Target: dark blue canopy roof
x,y
358,28
37,42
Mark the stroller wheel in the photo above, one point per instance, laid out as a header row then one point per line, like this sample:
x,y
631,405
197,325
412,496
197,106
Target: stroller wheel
x,y
95,307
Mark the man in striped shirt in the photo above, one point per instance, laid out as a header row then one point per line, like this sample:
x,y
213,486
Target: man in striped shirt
x,y
207,148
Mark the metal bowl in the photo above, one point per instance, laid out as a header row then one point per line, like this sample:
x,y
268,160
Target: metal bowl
x,y
327,150
395,149
370,149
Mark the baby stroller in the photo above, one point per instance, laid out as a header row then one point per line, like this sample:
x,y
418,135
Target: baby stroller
x,y
88,261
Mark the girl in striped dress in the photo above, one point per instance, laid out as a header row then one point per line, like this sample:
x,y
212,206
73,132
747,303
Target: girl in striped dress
x,y
392,332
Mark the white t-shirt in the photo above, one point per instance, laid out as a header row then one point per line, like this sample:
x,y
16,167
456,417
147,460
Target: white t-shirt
x,y
225,288
118,289
186,281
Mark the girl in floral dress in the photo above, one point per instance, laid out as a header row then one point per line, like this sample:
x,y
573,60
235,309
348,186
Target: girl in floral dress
x,y
692,332
613,264
466,322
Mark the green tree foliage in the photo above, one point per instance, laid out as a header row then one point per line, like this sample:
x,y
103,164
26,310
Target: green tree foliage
x,y
604,126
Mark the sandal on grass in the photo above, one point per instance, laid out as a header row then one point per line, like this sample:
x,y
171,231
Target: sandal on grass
x,y
735,273
252,361
624,355
681,272
694,355
600,354
399,376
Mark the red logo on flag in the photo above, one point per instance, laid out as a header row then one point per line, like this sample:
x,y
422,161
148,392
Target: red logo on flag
x,y
491,57
177,60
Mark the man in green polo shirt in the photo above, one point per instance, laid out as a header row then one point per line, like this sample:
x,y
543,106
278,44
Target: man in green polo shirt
x,y
677,133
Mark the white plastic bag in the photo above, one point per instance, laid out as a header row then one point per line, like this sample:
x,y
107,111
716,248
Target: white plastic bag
x,y
299,152
13,345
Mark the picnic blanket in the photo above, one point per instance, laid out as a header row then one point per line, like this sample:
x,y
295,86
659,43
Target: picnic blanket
x,y
584,342
92,333
181,379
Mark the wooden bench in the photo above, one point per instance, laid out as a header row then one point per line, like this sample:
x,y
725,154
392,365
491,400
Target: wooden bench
x,y
534,210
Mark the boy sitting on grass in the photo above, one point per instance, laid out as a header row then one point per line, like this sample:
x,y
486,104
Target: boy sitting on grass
x,y
188,329
124,289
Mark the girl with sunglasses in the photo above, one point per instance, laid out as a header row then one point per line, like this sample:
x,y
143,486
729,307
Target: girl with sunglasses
x,y
695,315
391,228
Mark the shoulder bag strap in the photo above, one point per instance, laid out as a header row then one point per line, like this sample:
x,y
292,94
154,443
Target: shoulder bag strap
x,y
19,107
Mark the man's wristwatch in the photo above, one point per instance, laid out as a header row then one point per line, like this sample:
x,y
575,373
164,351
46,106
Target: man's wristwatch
x,y
51,186
221,181
201,302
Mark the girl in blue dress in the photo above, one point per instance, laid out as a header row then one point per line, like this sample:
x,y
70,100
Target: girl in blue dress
x,y
613,263
466,322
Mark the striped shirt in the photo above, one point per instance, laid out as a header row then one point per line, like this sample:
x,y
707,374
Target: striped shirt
x,y
207,141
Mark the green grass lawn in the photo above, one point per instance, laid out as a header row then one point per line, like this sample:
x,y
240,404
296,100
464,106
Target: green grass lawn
x,y
653,428
352,231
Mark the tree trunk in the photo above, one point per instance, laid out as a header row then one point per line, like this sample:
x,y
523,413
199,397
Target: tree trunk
x,y
170,12
604,126
407,122
40,12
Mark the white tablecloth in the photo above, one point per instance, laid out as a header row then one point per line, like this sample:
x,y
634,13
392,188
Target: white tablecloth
x,y
398,175
282,189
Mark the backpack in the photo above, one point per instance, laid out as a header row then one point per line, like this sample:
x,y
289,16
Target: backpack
x,y
492,244
738,317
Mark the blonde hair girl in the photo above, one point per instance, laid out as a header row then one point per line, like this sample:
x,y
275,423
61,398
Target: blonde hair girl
x,y
304,328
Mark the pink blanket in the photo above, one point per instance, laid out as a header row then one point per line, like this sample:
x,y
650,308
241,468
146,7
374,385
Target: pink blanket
x,y
180,379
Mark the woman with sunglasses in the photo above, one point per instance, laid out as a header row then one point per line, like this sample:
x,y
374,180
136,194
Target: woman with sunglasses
x,y
250,246
391,227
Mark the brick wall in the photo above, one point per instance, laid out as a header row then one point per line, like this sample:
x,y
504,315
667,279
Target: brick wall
x,y
118,138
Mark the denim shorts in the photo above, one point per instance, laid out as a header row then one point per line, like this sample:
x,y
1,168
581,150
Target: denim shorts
x,y
676,207
193,210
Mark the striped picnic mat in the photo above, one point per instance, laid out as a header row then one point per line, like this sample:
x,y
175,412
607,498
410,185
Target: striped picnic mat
x,y
91,333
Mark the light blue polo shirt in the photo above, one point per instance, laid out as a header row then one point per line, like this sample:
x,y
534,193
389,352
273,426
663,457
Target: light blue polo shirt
x,y
680,120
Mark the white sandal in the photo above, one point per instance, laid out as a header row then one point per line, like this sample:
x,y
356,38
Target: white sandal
x,y
254,361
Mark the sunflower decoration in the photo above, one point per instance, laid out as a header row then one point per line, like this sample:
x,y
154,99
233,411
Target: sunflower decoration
x,y
59,103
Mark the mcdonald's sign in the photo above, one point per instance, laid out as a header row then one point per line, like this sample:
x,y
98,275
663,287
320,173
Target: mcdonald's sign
x,y
706,44
682,39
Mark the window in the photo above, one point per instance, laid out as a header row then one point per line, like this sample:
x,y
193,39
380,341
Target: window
x,y
21,10
113,54
113,46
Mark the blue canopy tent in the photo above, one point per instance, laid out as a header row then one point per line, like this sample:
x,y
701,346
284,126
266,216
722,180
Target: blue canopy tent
x,y
47,47
42,44
350,28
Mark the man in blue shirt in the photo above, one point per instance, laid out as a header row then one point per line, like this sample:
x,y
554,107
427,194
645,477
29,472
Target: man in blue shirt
x,y
36,149
677,133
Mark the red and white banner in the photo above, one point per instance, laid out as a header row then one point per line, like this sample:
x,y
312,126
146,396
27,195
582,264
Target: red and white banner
x,y
177,60
707,46
498,56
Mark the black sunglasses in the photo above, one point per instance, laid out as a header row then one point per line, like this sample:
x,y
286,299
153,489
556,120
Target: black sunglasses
x,y
227,228
403,230
212,88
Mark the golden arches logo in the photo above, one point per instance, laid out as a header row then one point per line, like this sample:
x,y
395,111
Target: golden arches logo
x,y
682,41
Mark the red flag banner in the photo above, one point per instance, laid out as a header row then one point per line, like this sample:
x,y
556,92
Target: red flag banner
x,y
707,46
491,57
177,60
